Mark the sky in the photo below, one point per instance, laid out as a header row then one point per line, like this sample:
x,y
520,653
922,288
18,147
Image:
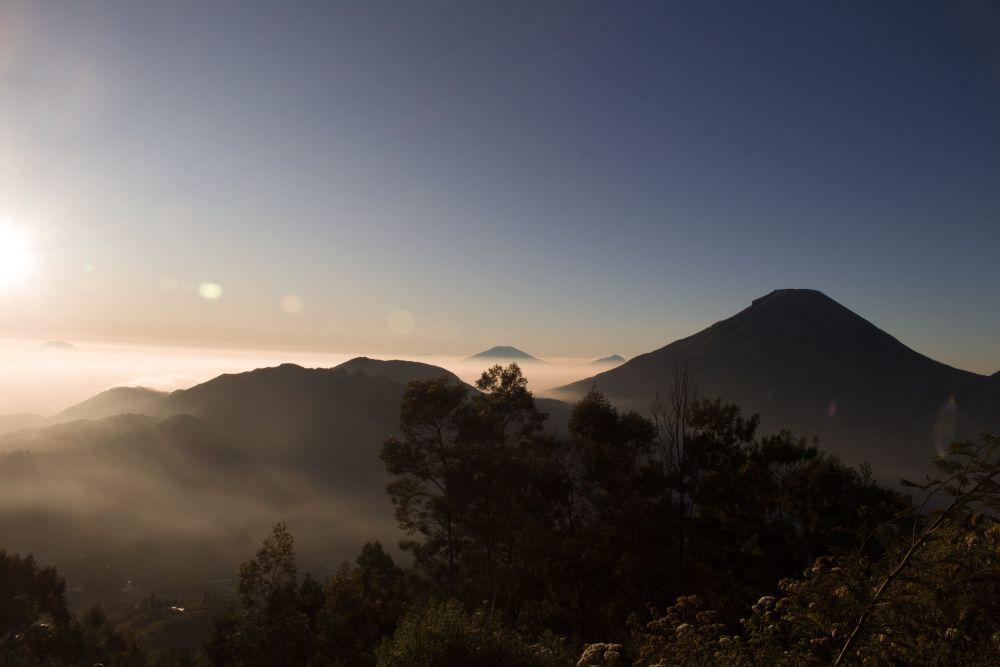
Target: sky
x,y
575,179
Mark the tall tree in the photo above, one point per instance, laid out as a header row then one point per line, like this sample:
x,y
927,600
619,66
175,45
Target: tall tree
x,y
273,626
463,483
426,463
363,604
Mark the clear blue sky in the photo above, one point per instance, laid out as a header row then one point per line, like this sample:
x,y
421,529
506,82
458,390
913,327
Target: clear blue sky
x,y
571,178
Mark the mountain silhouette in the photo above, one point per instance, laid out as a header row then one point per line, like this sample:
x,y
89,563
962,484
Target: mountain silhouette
x,y
804,362
212,467
504,352
395,370
115,401
611,359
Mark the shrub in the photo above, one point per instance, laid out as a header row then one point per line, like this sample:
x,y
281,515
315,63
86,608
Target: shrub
x,y
443,634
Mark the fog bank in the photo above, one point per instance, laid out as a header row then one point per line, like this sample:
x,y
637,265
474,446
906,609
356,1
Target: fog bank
x,y
45,380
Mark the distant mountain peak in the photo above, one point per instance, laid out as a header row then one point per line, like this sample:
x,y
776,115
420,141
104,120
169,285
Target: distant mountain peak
x,y
504,352
797,292
796,298
610,359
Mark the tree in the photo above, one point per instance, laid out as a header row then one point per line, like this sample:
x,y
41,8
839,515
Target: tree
x,y
443,634
932,596
573,533
35,625
273,626
622,504
37,628
103,644
463,483
426,463
363,604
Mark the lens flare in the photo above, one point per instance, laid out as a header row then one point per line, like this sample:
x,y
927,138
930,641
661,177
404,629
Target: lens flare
x,y
210,291
946,425
292,304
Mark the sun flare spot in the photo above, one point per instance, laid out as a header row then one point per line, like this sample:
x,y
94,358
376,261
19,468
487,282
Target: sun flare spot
x,y
210,291
15,257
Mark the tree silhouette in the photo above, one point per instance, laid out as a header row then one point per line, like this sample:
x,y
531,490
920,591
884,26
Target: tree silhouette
x,y
273,625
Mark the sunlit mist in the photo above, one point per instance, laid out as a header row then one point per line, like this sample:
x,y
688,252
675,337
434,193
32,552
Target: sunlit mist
x,y
46,378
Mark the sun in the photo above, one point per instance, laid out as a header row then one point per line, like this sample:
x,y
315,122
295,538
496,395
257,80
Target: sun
x,y
15,257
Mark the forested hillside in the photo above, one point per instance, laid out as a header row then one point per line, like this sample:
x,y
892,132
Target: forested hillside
x,y
684,539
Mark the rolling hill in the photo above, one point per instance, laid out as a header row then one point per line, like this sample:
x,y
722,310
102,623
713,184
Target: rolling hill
x,y
191,484
115,401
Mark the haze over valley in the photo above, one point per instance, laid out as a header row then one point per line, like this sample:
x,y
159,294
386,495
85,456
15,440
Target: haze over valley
x,y
44,381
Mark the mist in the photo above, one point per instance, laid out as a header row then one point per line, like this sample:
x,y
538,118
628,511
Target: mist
x,y
177,496
44,380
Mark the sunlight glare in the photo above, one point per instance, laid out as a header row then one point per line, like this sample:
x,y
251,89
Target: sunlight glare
x,y
14,257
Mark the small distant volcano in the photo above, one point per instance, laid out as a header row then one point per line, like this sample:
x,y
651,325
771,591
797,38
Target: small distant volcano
x,y
505,352
611,359
58,345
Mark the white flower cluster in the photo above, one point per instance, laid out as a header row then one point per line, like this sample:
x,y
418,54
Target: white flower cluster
x,y
600,655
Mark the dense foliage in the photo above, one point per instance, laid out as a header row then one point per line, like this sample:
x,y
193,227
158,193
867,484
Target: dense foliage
x,y
933,596
36,627
684,539
443,633
572,534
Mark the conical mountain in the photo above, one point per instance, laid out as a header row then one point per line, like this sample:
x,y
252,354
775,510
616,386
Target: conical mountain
x,y
609,360
504,352
804,362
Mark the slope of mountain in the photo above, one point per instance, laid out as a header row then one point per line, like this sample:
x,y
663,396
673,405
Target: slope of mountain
x,y
609,360
319,416
192,485
116,401
804,362
328,423
505,352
